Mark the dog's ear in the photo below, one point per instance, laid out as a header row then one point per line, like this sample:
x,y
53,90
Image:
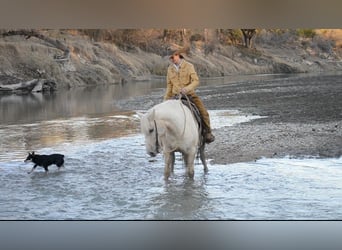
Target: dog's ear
x,y
32,153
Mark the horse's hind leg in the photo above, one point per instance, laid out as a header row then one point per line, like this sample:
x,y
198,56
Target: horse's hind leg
x,y
202,157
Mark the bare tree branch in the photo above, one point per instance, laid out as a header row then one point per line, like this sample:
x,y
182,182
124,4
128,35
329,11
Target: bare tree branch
x,y
34,33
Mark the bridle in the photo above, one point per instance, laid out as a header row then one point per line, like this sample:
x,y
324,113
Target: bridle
x,y
156,132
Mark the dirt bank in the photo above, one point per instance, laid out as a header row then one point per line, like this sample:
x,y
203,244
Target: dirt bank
x,y
83,61
303,117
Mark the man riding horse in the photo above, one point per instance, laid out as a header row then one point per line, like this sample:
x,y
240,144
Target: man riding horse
x,y
182,79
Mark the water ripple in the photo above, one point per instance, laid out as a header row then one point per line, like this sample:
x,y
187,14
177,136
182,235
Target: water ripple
x,y
115,179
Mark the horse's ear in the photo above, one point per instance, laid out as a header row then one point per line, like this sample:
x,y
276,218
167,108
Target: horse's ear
x,y
151,115
139,114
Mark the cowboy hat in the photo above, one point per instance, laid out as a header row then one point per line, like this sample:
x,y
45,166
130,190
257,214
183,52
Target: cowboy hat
x,y
179,53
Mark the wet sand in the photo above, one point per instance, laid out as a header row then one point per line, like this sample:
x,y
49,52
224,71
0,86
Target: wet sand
x,y
303,117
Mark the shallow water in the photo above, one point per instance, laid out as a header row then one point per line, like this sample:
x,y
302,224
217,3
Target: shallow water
x,y
115,179
108,175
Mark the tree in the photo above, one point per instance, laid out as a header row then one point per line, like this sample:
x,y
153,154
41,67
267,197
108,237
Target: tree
x,y
247,36
229,36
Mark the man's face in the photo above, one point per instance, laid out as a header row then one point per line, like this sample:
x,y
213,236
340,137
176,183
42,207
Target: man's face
x,y
175,59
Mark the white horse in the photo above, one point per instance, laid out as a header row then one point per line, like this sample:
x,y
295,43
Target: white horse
x,y
171,127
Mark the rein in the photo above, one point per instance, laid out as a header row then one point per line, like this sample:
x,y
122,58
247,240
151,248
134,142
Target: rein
x,y
180,97
157,141
194,115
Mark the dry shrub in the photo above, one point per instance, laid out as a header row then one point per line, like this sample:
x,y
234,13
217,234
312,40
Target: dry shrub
x,y
322,44
273,37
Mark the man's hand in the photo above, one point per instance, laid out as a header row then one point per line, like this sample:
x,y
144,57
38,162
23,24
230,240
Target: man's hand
x,y
184,91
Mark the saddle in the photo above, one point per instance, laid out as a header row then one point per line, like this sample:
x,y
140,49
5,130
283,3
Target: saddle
x,y
187,101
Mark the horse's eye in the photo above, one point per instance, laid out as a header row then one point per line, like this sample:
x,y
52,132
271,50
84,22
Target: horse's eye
x,y
151,130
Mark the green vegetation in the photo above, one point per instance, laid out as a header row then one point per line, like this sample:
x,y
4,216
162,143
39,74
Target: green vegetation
x,y
306,33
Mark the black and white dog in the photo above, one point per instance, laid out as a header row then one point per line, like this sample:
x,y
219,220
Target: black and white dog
x,y
45,161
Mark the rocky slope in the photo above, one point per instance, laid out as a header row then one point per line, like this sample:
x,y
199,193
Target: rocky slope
x,y
24,59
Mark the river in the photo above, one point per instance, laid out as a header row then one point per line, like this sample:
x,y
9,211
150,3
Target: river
x,y
108,175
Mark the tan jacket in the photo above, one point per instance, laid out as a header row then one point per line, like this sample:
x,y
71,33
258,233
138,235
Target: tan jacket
x,y
186,77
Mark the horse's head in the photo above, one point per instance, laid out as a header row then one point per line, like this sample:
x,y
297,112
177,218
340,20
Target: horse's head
x,y
150,130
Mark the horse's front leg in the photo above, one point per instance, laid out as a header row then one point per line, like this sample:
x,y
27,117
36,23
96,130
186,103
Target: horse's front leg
x,y
173,158
169,163
189,163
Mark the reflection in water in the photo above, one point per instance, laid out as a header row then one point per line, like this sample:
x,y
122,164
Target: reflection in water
x,y
30,122
182,198
90,101
18,139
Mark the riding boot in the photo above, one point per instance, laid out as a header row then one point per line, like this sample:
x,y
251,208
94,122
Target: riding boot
x,y
207,135
209,138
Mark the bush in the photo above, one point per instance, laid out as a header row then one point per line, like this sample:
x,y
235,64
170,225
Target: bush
x,y
323,44
275,37
306,33
196,37
230,36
